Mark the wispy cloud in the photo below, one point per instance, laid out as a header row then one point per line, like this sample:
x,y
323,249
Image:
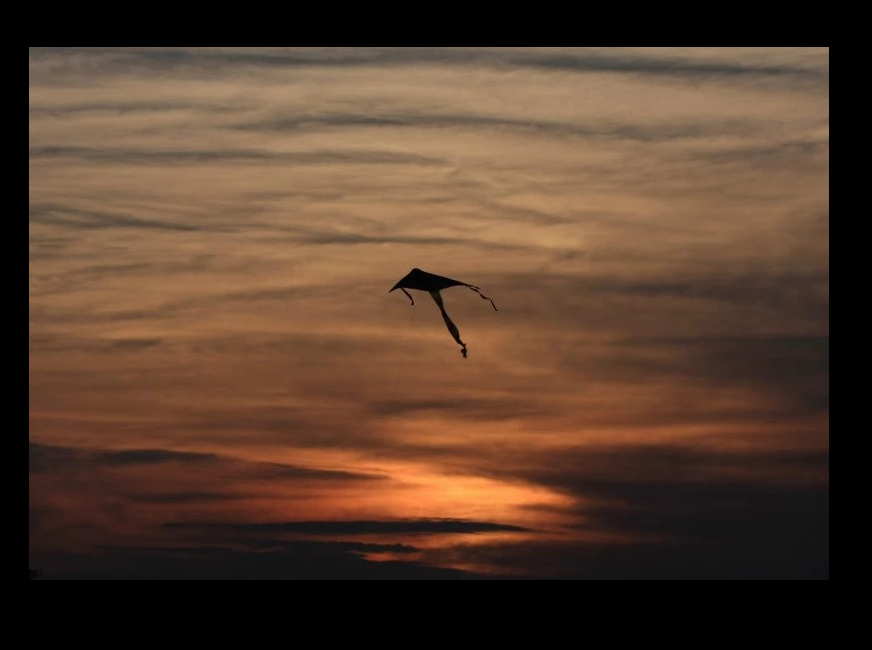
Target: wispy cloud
x,y
49,458
298,562
182,157
203,60
410,526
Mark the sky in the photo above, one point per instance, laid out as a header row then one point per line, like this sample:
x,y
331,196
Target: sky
x,y
222,386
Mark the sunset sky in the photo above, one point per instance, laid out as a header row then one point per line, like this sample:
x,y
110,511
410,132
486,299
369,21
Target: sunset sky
x,y
221,385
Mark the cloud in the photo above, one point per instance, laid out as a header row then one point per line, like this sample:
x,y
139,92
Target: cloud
x,y
45,459
229,156
147,456
781,558
783,289
333,237
135,344
120,106
405,526
675,513
193,497
795,366
679,66
88,219
462,407
652,133
316,546
675,302
50,458
299,561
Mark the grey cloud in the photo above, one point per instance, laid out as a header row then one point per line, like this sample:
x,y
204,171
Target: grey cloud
x,y
51,458
782,557
188,497
88,219
303,561
769,153
149,456
349,238
354,547
46,459
801,295
651,133
690,512
110,60
461,407
280,471
122,107
795,369
604,470
403,526
229,156
136,344
58,281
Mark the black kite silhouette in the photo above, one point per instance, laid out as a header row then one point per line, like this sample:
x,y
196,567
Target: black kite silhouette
x,y
433,284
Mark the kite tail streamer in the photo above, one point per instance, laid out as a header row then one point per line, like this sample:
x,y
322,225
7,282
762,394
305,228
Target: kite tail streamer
x,y
452,328
410,295
482,296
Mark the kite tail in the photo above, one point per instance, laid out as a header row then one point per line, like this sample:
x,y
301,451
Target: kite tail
x,y
452,328
482,296
410,295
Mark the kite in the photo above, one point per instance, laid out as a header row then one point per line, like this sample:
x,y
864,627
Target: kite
x,y
433,284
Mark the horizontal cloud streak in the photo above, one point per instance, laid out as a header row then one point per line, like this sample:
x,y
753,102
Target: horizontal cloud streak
x,y
49,458
653,133
408,527
182,157
579,61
